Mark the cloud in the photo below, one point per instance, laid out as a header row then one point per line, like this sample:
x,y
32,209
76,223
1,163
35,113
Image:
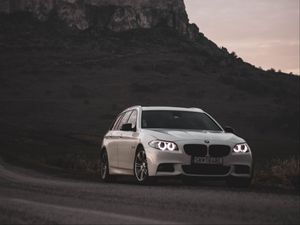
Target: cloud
x,y
268,28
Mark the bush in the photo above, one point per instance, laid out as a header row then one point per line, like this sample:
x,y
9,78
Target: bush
x,y
280,173
272,70
234,55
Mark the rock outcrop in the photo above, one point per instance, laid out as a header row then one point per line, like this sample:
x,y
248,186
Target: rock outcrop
x,y
115,15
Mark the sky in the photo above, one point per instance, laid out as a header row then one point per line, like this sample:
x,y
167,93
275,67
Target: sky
x,y
264,33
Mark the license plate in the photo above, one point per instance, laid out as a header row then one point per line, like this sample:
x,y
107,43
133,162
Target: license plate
x,y
206,160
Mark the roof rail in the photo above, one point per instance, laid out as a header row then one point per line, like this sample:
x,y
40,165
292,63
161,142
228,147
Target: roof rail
x,y
196,108
135,106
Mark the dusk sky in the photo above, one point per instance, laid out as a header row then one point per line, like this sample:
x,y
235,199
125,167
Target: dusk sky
x,y
262,32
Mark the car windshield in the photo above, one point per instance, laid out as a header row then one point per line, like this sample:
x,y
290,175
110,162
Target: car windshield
x,y
161,119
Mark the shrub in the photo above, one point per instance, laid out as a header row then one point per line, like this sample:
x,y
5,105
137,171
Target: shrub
x,y
287,171
280,172
234,55
272,70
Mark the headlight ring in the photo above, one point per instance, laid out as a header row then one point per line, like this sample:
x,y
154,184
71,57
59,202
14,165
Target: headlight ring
x,y
163,145
241,148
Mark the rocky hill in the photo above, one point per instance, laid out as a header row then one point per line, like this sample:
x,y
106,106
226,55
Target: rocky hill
x,y
115,15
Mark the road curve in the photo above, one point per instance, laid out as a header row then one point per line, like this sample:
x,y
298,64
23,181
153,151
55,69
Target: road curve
x,y
28,196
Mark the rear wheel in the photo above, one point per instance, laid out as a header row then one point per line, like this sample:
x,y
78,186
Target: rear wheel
x,y
104,168
141,167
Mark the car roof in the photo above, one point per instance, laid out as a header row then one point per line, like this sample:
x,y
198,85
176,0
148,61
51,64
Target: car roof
x,y
166,108
169,108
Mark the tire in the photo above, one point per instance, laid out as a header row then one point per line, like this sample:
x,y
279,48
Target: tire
x,y
140,167
239,182
104,167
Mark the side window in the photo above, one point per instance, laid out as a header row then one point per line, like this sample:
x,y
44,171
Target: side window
x,y
124,120
117,121
132,119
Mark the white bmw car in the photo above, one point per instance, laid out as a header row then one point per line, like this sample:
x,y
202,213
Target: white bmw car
x,y
148,142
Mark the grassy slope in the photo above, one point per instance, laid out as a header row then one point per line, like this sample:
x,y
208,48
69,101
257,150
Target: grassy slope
x,y
60,90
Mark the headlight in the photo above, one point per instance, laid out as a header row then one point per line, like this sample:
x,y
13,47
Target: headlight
x,y
164,145
241,148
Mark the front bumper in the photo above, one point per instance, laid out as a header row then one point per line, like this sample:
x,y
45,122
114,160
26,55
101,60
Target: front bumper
x,y
238,165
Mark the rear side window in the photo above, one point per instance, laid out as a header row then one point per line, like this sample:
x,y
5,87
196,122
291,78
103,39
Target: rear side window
x,y
132,119
117,121
123,120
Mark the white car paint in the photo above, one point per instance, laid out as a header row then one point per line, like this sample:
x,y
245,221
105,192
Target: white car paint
x,y
121,148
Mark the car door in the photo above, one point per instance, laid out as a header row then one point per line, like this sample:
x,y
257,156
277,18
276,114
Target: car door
x,y
127,146
112,142
119,133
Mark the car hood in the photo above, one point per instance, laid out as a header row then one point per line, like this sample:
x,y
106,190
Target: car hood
x,y
188,135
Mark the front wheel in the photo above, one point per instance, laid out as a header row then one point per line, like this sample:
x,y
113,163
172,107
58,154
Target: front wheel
x,y
141,167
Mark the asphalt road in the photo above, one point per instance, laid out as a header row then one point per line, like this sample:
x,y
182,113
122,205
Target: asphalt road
x,y
30,197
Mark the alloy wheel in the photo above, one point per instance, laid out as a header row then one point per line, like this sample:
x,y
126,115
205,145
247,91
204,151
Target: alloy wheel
x,y
141,166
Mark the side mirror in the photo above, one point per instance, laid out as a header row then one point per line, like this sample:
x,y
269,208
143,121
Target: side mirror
x,y
229,129
127,127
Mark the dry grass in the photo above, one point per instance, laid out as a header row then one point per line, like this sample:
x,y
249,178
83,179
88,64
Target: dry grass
x,y
280,173
80,163
277,173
